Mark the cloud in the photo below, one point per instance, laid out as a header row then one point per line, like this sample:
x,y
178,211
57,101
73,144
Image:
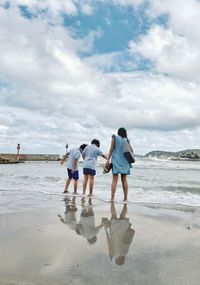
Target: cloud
x,y
41,64
51,8
86,8
173,49
170,53
133,3
52,94
155,102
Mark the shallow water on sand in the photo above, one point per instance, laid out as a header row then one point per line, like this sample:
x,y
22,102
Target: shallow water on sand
x,y
86,242
35,184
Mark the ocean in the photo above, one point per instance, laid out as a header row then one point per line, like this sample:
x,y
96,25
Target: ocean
x,y
33,185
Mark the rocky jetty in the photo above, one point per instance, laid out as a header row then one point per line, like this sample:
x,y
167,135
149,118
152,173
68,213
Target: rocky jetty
x,y
188,154
30,157
9,161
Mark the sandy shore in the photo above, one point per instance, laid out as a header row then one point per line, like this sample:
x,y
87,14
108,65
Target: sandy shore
x,y
93,242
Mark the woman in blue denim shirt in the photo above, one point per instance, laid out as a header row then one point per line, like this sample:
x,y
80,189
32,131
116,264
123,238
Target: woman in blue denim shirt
x,y
119,163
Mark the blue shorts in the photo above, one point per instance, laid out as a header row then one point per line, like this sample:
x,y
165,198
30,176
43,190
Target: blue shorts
x,y
74,175
89,171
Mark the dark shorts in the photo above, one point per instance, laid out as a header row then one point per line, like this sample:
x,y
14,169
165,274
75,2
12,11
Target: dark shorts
x,y
89,171
75,175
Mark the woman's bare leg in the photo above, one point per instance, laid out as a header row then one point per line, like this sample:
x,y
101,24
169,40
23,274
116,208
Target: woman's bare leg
x,y
114,186
113,211
123,212
124,185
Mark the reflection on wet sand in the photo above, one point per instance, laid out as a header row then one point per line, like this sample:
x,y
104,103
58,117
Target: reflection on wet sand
x,y
86,225
70,213
118,231
119,234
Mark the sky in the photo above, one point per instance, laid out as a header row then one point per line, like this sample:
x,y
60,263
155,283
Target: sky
x,y
73,70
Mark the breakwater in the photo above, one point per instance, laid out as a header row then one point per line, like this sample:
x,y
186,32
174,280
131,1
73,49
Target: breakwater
x,y
30,157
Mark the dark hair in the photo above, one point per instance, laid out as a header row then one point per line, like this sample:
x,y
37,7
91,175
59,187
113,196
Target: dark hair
x,y
83,146
122,132
96,142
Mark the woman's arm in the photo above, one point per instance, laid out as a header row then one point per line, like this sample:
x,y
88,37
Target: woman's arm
x,y
112,146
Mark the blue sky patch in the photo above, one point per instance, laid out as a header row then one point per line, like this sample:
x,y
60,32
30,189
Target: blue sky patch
x,y
118,25
115,26
3,84
162,20
25,12
5,5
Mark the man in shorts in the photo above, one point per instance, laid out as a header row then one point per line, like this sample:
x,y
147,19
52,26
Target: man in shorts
x,y
72,166
90,155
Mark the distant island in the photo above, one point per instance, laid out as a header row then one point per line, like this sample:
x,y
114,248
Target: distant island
x,y
188,154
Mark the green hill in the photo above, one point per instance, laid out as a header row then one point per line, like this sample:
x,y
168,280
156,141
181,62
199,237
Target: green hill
x,y
188,154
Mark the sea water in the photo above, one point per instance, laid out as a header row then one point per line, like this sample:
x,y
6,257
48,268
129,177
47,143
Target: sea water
x,y
40,184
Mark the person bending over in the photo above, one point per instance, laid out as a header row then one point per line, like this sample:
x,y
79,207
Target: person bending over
x,y
73,156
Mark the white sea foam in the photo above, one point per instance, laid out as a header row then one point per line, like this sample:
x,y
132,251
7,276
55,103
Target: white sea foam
x,y
164,182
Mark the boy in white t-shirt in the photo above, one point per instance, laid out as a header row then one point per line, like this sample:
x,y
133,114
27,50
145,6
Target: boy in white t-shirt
x,y
90,155
86,227
72,166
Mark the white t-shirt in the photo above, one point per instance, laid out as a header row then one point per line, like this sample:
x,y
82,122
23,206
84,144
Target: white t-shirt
x,y
74,154
87,223
90,155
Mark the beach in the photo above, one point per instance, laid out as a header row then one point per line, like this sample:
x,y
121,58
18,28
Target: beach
x,y
37,248
103,94
47,237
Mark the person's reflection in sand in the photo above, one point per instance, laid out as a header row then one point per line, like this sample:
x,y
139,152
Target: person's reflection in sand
x,y
86,227
119,234
70,213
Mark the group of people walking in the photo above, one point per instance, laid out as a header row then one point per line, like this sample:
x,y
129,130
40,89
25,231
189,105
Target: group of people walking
x,y
114,160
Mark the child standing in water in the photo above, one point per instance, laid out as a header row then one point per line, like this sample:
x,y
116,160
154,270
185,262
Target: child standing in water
x,y
90,155
86,227
72,166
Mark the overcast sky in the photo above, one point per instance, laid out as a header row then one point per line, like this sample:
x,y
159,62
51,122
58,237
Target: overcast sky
x,y
73,70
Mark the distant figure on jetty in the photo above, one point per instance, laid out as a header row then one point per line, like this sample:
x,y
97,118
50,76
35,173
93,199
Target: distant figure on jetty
x,y
18,149
119,234
90,155
119,163
86,227
72,166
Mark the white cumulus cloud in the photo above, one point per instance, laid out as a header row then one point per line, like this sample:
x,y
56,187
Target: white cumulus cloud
x,y
50,95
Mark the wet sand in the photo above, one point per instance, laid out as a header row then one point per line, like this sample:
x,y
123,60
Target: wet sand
x,y
88,242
